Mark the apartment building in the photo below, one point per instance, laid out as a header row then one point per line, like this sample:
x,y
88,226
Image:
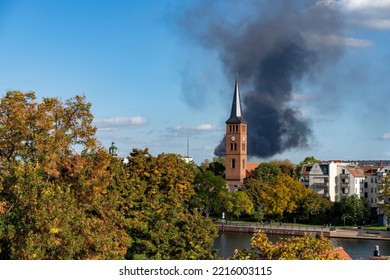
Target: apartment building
x,y
336,179
333,180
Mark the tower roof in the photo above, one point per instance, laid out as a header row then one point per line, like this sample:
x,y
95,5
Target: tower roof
x,y
236,113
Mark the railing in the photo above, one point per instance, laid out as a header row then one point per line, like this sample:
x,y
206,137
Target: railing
x,y
277,226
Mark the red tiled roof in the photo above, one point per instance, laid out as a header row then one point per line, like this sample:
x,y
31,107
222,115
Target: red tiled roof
x,y
356,172
340,252
250,166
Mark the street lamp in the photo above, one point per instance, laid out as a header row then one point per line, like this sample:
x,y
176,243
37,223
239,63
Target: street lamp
x,y
223,220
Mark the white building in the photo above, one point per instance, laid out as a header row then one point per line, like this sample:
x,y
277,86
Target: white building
x,y
335,180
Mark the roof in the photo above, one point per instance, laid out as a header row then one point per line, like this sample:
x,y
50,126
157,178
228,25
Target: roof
x,y
236,113
251,166
356,172
340,252
306,169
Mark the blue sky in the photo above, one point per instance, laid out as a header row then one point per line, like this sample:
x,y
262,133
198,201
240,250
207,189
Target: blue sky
x,y
151,85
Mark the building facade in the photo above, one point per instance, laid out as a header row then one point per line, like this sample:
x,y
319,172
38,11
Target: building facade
x,y
335,180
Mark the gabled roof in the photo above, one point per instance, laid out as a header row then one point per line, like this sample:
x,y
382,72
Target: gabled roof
x,y
250,167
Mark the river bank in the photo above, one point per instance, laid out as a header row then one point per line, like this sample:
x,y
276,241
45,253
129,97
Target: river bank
x,y
356,248
288,229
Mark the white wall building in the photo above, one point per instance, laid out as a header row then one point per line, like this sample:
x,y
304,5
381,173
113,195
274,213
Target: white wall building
x,y
335,180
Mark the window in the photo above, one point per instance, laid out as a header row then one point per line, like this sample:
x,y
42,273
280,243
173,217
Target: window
x,y
235,146
233,163
243,147
365,184
231,146
365,195
243,163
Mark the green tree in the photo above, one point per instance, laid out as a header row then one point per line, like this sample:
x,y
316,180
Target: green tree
x,y
253,187
313,208
207,187
351,210
384,194
217,166
235,203
307,247
161,225
267,172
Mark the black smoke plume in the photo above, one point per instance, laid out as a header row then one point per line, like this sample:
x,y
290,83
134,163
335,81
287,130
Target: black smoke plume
x,y
272,45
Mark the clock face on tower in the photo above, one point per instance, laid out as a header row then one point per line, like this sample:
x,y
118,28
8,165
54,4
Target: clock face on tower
x,y
233,138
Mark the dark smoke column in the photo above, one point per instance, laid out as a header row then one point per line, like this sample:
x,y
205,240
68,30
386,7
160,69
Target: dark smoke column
x,y
272,50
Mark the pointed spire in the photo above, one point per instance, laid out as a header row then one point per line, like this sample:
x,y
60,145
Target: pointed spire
x,y
236,113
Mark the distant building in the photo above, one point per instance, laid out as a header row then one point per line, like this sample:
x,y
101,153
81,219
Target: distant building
x,y
337,179
113,150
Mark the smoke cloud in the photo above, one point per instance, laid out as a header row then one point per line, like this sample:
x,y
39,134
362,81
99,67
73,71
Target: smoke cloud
x,y
272,45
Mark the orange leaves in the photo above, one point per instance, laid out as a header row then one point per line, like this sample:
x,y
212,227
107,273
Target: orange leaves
x,y
307,247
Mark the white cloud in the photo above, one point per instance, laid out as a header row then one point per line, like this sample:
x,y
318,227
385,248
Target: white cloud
x,y
373,14
200,128
386,136
358,5
359,43
377,23
110,124
334,40
299,97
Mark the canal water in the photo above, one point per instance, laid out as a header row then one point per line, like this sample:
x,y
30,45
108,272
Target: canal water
x,y
358,249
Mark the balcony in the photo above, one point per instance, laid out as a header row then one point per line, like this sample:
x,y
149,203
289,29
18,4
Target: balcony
x,y
320,185
344,176
344,185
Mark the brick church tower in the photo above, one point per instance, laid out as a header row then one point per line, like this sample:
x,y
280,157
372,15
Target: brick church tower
x,y
236,144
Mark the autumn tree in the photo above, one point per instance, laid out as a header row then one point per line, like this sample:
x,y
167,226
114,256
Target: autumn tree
x,y
54,193
286,167
161,226
236,203
384,194
308,247
314,208
276,196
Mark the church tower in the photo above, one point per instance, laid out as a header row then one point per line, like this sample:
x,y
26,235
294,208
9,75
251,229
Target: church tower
x,y
236,147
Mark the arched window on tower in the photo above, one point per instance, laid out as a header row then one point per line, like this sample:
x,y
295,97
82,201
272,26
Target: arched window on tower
x,y
233,163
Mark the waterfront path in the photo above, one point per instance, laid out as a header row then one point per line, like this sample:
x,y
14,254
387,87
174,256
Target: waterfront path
x,y
360,234
289,229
